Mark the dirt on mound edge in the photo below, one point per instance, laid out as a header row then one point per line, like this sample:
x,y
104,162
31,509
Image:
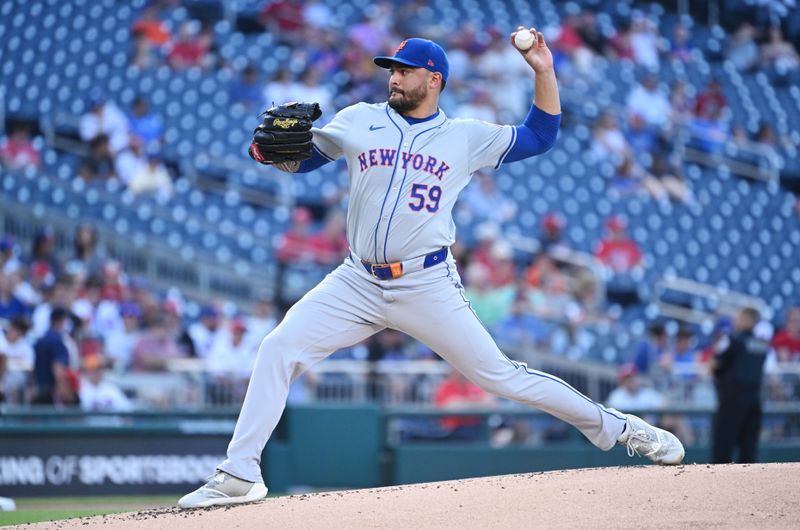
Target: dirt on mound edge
x,y
728,496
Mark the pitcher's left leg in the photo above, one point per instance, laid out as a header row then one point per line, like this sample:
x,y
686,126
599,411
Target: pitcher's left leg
x,y
438,315
431,307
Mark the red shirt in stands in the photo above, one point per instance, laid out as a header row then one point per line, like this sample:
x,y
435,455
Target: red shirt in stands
x,y
621,255
452,391
787,346
569,40
328,249
296,247
187,53
287,15
18,152
710,103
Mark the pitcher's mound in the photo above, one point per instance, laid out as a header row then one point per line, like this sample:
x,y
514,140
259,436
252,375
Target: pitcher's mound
x,y
733,496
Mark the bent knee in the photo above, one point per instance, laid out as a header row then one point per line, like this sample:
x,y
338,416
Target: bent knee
x,y
277,348
498,387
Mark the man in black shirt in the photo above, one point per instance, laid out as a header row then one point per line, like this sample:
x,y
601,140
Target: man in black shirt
x,y
738,368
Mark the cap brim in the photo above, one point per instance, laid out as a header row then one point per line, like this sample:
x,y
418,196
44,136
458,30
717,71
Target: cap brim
x,y
387,62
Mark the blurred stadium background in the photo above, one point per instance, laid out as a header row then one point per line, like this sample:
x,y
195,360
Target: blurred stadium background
x,y
615,260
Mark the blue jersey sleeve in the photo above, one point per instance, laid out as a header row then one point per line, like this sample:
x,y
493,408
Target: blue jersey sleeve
x,y
317,160
535,136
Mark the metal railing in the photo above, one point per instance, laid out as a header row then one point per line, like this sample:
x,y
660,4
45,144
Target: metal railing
x,y
200,276
190,386
704,302
756,163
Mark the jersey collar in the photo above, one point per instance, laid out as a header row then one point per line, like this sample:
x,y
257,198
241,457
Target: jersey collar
x,y
403,124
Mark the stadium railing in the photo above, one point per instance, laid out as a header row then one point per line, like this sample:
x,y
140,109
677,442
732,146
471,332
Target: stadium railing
x,y
199,278
411,383
700,303
748,159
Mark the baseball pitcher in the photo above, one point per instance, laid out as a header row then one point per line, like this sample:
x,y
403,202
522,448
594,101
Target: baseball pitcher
x,y
407,163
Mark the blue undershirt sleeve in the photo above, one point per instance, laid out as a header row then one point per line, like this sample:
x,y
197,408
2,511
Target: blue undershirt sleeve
x,y
535,136
317,160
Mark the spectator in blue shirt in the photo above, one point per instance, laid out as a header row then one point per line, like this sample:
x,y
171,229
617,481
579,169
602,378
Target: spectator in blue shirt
x,y
10,305
145,124
247,91
649,351
51,367
521,328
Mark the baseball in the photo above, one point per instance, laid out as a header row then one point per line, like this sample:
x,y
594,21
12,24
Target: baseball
x,y
523,39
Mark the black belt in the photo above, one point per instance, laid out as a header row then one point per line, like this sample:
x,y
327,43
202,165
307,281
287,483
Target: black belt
x,y
388,271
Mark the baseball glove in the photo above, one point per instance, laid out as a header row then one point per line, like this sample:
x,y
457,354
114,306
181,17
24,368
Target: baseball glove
x,y
285,134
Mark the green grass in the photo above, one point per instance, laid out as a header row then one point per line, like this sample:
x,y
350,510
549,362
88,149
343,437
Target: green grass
x,y
38,509
37,516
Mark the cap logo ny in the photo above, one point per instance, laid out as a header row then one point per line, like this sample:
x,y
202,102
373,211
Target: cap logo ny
x,y
400,46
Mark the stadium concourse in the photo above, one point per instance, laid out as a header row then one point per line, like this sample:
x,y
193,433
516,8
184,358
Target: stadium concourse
x,y
129,201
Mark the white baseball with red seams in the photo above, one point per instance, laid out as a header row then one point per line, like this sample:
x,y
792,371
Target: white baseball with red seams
x,y
404,181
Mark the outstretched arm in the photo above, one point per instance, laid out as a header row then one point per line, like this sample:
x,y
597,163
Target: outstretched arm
x,y
538,132
540,59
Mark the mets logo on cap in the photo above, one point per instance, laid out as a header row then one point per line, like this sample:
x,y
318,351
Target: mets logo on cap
x,y
417,53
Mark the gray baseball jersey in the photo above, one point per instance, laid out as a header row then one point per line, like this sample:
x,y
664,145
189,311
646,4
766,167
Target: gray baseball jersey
x,y
404,180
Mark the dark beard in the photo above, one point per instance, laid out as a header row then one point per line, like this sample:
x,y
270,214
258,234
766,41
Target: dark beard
x,y
409,100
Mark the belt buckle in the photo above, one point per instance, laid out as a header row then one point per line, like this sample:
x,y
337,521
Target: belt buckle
x,y
395,268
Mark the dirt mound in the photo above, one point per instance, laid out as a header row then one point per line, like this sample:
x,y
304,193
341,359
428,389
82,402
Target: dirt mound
x,y
733,496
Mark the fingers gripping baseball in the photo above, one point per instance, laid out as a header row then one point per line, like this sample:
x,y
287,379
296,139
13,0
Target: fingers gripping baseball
x,y
531,44
284,136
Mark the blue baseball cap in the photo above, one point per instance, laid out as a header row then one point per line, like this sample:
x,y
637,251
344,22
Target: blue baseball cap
x,y
418,53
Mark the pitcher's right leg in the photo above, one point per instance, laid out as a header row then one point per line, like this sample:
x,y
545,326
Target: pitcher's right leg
x,y
341,311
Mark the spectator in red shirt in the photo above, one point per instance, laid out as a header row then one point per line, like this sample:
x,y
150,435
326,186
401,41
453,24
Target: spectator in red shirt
x,y
485,236
188,50
296,244
457,392
297,256
618,251
622,259
787,341
504,272
113,277
711,101
330,244
18,151
283,17
620,44
551,235
569,39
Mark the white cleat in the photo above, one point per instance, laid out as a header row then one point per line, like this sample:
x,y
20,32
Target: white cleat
x,y
660,446
223,489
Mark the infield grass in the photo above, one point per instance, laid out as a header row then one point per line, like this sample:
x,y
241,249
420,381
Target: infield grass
x,y
38,509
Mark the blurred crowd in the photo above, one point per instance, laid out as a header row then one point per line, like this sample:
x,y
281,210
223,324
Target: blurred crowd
x,y
333,66
69,316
